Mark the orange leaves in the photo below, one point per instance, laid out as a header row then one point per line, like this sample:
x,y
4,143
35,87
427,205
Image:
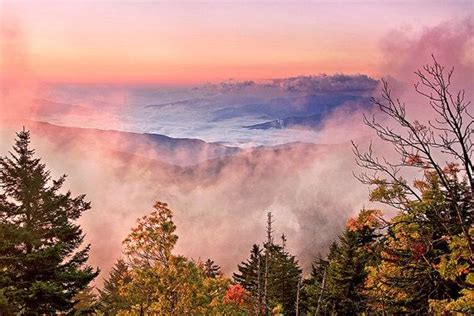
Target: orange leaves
x,y
451,170
352,224
236,294
366,219
413,160
421,185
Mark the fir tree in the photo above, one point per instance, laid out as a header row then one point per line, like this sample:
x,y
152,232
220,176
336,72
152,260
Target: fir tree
x,y
42,266
85,302
211,270
347,274
271,276
284,278
337,284
315,285
111,301
250,275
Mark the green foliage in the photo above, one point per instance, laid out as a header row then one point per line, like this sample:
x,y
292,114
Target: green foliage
x,y
315,288
42,266
251,274
283,277
337,285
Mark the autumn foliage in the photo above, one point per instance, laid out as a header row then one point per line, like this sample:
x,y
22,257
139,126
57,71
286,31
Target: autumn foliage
x,y
235,295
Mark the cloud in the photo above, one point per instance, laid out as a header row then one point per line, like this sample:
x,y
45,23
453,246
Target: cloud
x,y
327,83
451,42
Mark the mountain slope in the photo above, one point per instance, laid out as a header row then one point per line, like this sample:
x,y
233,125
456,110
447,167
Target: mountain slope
x,y
175,151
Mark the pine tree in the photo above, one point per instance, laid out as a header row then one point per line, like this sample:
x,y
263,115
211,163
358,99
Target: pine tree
x,y
250,275
346,274
211,270
41,264
315,285
337,284
284,278
85,302
271,275
111,301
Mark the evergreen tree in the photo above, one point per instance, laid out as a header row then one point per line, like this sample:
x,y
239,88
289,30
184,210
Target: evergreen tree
x,y
42,266
337,285
85,302
211,270
251,275
346,275
111,300
315,285
271,276
284,278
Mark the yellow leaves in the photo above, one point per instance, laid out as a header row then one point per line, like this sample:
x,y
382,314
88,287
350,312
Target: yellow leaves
x,y
455,266
377,287
162,283
464,305
456,263
438,306
386,191
470,279
153,239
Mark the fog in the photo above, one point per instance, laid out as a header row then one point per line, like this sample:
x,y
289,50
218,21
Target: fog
x,y
219,202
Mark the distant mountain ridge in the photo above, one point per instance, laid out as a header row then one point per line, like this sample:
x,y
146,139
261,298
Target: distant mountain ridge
x,y
175,151
313,122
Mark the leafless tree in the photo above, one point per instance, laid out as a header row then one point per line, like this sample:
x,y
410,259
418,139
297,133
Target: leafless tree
x,y
426,146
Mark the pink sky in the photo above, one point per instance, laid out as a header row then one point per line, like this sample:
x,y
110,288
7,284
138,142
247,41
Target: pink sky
x,y
188,42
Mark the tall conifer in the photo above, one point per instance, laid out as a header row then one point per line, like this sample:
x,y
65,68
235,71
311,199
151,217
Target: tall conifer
x,y
42,263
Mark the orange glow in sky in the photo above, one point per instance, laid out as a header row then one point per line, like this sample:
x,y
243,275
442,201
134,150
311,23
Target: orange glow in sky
x,y
187,42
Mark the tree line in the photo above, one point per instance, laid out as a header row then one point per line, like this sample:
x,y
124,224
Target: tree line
x,y
417,261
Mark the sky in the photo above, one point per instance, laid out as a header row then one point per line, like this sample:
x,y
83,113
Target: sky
x,y
176,42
